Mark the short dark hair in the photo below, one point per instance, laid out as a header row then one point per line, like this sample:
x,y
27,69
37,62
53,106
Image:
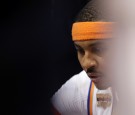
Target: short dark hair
x,y
91,12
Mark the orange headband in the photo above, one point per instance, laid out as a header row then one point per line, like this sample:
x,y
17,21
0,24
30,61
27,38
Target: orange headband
x,y
91,30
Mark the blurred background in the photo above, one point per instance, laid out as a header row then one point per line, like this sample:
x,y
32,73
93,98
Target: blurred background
x,y
36,52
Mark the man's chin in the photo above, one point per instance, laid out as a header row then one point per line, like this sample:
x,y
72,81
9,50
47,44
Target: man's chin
x,y
101,87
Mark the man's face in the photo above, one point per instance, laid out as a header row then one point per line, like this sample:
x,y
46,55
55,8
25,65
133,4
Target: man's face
x,y
92,55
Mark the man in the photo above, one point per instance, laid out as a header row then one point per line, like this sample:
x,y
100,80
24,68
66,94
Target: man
x,y
89,92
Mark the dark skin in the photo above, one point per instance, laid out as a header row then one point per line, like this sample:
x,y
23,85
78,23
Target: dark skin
x,y
92,55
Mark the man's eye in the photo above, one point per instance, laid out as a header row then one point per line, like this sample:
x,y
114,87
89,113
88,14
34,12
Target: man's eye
x,y
98,50
80,51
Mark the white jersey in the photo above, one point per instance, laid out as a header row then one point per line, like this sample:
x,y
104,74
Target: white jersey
x,y
78,97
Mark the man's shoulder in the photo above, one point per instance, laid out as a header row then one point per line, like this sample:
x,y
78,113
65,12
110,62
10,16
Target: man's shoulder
x,y
76,81
80,77
75,90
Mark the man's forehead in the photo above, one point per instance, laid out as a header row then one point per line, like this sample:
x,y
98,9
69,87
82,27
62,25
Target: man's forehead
x,y
91,42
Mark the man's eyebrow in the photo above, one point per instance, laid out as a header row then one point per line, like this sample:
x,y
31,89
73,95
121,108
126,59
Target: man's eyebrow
x,y
92,44
76,45
97,43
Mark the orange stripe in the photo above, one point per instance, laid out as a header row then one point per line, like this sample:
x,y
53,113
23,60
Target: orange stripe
x,y
91,30
91,98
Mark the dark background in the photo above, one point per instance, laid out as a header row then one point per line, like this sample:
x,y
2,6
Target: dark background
x,y
36,52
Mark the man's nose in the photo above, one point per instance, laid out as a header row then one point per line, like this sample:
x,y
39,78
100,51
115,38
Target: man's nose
x,y
88,61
